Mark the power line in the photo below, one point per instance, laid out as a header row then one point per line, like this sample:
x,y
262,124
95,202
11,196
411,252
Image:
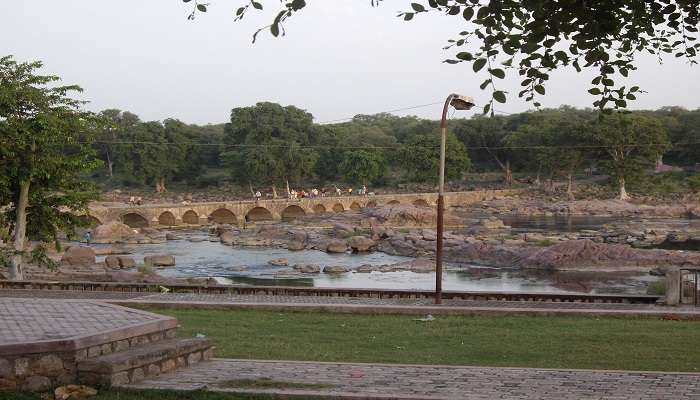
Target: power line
x,y
533,147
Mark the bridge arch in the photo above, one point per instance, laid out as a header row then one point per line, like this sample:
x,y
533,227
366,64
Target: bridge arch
x,y
319,209
166,218
292,212
258,214
355,206
421,203
338,208
371,204
393,202
134,220
190,217
223,216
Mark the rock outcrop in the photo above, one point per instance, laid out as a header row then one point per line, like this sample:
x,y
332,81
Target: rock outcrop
x,y
112,232
159,260
78,256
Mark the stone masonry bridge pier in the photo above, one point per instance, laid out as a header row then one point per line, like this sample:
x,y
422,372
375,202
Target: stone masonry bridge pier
x,y
240,212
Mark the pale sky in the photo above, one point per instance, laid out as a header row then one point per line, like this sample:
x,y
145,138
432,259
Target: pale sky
x,y
339,58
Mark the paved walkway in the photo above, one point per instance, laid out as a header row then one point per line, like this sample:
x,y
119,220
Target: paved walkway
x,y
353,381
360,304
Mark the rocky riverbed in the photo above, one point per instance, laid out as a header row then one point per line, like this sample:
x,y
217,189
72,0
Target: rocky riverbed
x,y
639,243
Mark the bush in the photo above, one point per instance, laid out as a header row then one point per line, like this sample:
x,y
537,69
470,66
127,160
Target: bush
x,y
694,182
657,288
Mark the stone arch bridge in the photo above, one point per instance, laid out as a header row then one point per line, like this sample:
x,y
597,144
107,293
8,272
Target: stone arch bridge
x,y
240,212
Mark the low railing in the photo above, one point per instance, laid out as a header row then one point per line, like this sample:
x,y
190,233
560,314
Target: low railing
x,y
329,292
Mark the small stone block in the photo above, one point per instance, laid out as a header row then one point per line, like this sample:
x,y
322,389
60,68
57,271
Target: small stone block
x,y
137,375
36,383
81,354
21,366
121,345
120,378
170,334
181,362
94,351
153,369
167,365
208,354
194,358
106,348
156,336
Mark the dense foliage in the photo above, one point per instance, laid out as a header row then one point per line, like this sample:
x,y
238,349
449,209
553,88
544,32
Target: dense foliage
x,y
270,145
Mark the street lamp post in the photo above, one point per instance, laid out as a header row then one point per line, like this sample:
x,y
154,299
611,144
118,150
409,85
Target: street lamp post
x,y
459,102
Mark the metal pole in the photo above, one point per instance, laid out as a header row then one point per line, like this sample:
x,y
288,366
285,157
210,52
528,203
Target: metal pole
x,y
441,203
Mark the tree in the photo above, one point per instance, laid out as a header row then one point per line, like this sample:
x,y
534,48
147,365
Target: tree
x,y
421,158
269,143
116,124
538,37
553,142
45,148
363,166
630,144
486,138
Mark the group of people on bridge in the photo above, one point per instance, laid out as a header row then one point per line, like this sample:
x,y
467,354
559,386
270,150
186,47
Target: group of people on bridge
x,y
323,192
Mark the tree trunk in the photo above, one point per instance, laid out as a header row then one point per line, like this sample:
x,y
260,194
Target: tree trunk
x,y
509,174
538,182
570,187
274,191
16,273
623,191
160,185
110,165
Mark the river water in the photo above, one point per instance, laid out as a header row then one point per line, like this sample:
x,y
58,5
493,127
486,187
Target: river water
x,y
249,266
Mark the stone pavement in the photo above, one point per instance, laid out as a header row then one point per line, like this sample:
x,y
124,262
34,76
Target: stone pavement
x,y
24,321
383,381
360,304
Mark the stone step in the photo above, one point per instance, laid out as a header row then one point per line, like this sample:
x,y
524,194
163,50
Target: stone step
x,y
147,360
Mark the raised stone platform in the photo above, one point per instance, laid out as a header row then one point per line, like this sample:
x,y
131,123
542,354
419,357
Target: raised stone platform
x,y
43,341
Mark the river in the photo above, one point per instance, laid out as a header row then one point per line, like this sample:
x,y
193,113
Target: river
x,y
249,266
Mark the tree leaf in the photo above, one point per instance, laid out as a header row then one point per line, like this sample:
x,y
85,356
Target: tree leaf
x,y
479,64
417,7
202,7
539,89
257,5
275,30
498,73
499,96
468,13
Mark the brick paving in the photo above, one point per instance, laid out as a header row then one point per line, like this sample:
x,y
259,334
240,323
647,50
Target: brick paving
x,y
24,320
352,380
360,304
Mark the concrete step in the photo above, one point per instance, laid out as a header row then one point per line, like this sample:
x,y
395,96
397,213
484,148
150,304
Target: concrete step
x,y
143,361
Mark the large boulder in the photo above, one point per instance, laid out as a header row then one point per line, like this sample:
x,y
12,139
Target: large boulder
x,y
335,269
409,215
126,262
279,262
78,256
307,268
227,238
295,245
112,262
361,244
337,246
159,260
112,232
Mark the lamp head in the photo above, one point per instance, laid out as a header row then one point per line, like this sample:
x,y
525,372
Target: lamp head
x,y
460,102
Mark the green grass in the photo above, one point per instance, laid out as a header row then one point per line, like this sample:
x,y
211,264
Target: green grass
x,y
545,342
123,394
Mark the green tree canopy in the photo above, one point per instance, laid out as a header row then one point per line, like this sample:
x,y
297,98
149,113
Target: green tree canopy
x,y
363,166
421,158
630,144
45,149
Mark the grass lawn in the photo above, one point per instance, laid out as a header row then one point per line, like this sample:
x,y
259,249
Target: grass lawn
x,y
545,342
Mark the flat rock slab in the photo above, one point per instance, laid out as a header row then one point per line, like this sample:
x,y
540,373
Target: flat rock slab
x,y
38,325
384,381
